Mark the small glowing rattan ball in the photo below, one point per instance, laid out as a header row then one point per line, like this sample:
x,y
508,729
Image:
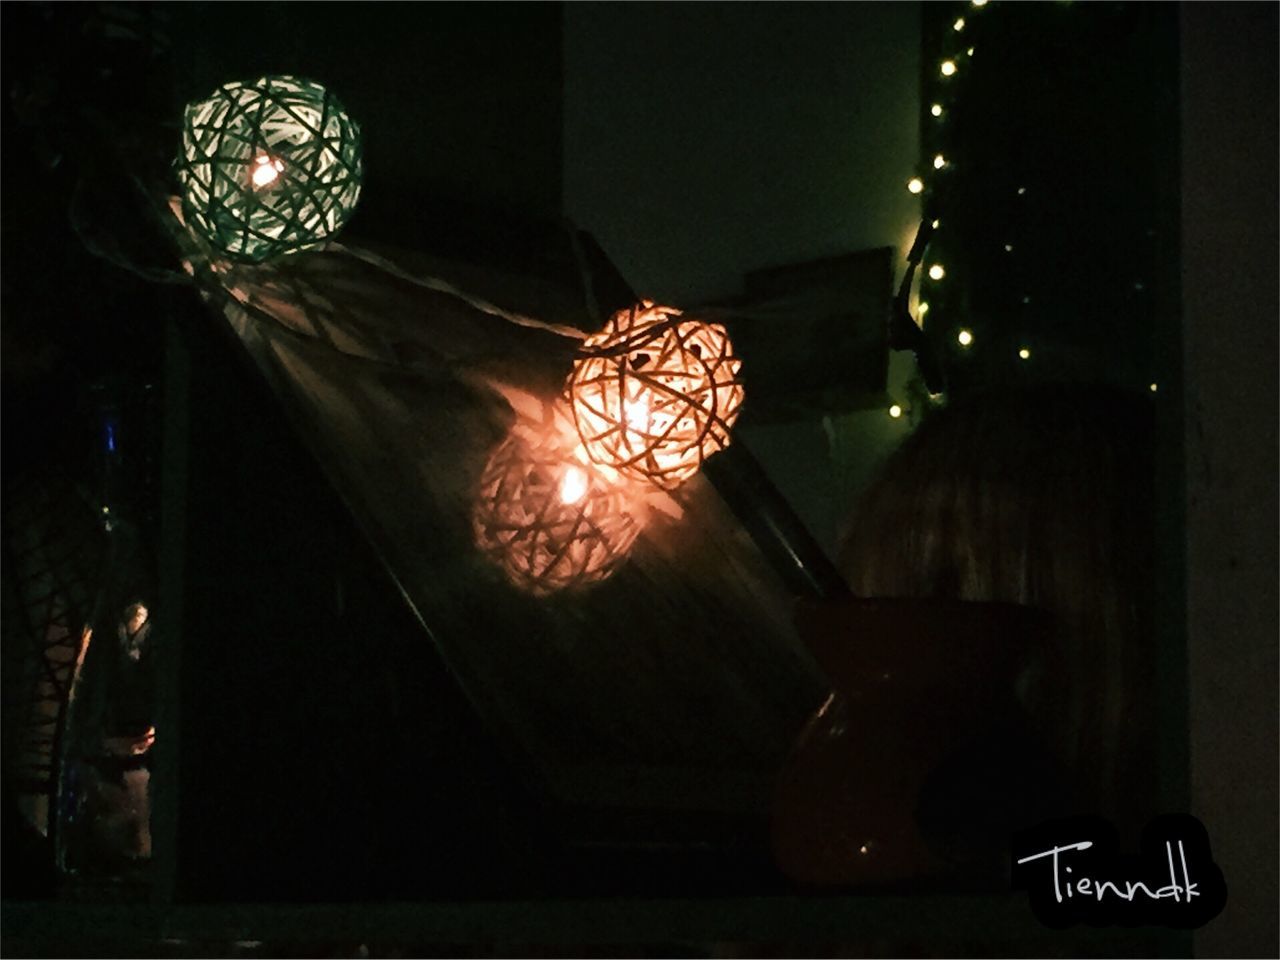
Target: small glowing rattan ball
x,y
268,167
915,185
948,68
654,395
937,272
548,518
964,338
895,411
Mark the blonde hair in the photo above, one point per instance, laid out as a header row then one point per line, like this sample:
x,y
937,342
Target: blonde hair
x,y
1040,497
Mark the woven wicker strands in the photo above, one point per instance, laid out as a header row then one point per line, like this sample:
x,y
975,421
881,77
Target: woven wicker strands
x,y
268,167
654,393
547,517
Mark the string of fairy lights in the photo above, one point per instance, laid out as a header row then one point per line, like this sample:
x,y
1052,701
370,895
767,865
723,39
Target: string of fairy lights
x,y
952,64
273,167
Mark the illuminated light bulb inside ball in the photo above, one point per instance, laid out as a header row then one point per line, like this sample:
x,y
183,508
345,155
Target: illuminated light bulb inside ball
x,y
1024,354
573,485
1155,387
895,411
965,338
266,171
636,413
924,308
948,68
936,272
915,185
251,130
979,3
939,162
655,393
958,25
548,520
936,109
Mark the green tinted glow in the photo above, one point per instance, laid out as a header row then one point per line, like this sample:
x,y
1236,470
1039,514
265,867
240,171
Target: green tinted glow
x,y
268,167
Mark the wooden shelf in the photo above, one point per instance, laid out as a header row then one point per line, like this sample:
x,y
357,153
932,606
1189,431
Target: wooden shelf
x,y
940,921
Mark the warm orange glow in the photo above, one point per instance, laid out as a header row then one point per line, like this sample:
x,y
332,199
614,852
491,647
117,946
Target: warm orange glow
x,y
573,485
266,171
546,517
654,394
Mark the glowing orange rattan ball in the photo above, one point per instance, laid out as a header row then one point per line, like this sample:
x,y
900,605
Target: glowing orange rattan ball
x,y
654,394
548,517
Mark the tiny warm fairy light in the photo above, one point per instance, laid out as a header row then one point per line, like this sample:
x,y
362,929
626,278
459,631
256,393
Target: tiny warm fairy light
x,y
135,617
133,629
268,167
958,25
1024,354
1008,248
1154,387
936,109
948,68
969,52
1022,191
895,411
915,185
923,308
936,272
979,3
939,161
964,338
654,394
936,224
547,518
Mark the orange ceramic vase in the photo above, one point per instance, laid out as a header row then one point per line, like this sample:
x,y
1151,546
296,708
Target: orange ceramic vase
x,y
923,717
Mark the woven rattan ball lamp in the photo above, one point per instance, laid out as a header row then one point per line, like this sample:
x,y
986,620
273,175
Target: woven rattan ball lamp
x,y
654,393
268,167
548,518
